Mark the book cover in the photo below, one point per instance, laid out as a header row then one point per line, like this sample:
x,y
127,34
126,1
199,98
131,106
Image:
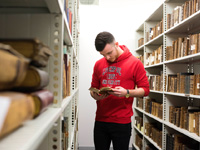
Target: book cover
x,y
42,100
103,90
16,108
35,79
10,74
33,49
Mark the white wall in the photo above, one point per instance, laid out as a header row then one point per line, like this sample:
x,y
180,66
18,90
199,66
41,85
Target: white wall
x,y
121,18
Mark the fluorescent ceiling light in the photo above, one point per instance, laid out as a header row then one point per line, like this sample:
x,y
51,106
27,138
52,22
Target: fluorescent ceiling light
x,y
89,2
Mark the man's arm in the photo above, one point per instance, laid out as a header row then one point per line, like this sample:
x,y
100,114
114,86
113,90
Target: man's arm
x,y
139,92
121,92
141,80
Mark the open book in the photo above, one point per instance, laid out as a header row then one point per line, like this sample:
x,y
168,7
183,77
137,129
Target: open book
x,y
103,90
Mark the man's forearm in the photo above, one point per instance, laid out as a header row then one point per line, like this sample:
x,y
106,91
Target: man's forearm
x,y
139,92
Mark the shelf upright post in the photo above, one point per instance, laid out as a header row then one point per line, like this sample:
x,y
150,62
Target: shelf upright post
x,y
56,76
143,132
164,142
145,41
54,136
164,99
144,145
56,43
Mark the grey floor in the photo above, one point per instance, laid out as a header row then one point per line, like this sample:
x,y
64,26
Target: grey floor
x,y
92,148
85,148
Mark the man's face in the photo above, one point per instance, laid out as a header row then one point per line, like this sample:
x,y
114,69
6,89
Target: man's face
x,y
110,52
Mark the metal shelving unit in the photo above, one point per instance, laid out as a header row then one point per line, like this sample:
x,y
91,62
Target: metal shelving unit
x,y
47,21
188,26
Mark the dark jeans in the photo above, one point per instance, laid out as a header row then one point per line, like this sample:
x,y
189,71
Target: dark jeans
x,y
105,132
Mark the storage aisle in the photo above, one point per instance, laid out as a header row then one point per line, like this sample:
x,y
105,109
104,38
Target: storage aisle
x,y
59,112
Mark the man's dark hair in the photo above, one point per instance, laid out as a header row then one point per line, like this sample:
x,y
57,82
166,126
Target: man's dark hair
x,y
102,39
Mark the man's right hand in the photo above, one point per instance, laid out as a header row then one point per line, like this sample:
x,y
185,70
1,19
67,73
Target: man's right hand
x,y
97,96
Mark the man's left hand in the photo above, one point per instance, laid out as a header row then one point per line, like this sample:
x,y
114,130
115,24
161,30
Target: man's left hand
x,y
118,91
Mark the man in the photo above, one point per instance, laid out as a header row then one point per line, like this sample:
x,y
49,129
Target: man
x,y
121,71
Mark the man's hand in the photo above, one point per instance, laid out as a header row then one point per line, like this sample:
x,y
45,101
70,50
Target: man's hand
x,y
98,96
118,91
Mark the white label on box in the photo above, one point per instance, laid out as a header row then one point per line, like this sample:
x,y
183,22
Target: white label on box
x,y
152,59
198,85
147,61
192,47
151,32
158,28
176,8
4,106
159,57
193,123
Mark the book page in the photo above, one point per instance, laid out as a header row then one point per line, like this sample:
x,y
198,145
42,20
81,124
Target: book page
x,y
4,106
